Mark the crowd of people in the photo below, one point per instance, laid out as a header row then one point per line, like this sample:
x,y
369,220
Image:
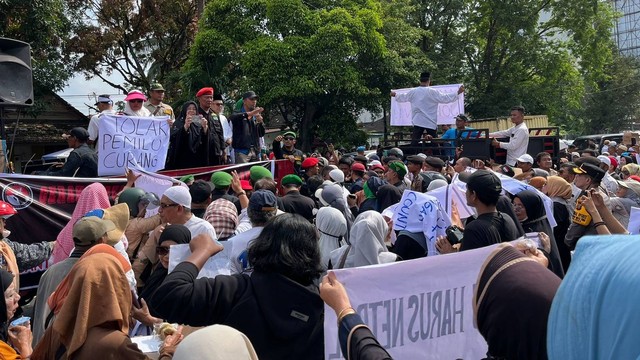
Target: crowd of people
x,y
110,281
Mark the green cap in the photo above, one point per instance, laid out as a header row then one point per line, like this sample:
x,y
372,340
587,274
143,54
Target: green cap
x,y
290,133
291,179
187,178
399,168
221,179
89,229
157,86
259,172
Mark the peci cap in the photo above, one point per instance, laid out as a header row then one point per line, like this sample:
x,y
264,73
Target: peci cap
x,y
249,95
309,162
291,179
79,133
205,91
263,200
434,162
590,170
179,195
135,95
526,158
415,159
156,87
89,229
221,179
361,158
200,191
484,181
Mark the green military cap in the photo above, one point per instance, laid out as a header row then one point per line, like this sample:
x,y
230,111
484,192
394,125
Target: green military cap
x,y
221,179
291,179
157,86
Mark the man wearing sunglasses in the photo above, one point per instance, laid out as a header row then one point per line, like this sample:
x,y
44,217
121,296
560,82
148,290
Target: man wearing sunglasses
x,y
288,150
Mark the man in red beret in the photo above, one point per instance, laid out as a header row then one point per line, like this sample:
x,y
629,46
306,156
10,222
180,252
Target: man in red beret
x,y
212,132
310,167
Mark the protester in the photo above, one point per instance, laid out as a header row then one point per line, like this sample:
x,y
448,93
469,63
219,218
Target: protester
x,y
628,196
332,226
216,342
185,149
221,181
594,315
286,262
288,151
15,341
511,303
81,162
94,320
212,135
223,216
518,137
133,104
560,192
137,231
200,192
366,243
248,128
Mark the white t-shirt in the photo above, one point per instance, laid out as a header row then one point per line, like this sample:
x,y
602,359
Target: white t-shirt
x,y
94,124
239,244
424,104
199,226
518,142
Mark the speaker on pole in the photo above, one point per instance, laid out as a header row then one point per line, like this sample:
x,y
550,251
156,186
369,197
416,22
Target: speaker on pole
x,y
16,83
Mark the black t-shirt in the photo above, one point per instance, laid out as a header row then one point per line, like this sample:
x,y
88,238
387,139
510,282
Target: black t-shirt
x,y
488,229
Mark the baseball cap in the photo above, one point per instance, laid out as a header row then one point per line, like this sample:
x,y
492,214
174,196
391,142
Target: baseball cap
x,y
484,181
507,170
179,195
249,95
221,179
263,200
360,148
358,167
399,168
103,99
200,191
590,170
526,158
631,184
79,133
89,229
290,133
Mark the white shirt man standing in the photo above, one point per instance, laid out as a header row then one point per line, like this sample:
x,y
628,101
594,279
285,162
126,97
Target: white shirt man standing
x,y
424,107
518,137
105,106
227,128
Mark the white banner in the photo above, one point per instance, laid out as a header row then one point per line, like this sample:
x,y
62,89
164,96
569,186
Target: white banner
x,y
127,140
401,112
218,264
417,309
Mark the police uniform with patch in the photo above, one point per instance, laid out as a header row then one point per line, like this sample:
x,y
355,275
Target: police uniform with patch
x,y
162,109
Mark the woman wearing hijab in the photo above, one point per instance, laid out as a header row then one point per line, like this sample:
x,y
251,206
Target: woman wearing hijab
x,y
17,337
333,195
92,197
216,342
387,195
595,311
629,170
186,149
367,243
627,196
370,191
511,304
94,320
278,307
561,192
332,227
532,216
133,104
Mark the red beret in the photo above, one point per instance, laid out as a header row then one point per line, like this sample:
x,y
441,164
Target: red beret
x,y
309,162
205,91
358,167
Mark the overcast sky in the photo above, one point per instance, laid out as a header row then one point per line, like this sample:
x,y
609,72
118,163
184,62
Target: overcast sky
x,y
80,92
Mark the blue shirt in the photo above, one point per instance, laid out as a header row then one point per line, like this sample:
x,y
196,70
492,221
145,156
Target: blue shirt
x,y
453,134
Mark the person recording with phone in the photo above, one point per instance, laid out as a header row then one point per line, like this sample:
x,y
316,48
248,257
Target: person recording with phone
x,y
185,146
212,135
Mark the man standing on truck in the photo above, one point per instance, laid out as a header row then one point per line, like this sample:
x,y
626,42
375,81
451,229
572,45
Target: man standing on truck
x,y
518,137
424,107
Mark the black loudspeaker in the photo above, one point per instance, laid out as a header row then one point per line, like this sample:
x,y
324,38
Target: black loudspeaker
x,y
16,83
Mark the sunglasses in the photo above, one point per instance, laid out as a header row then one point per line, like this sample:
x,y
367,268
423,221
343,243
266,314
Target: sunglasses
x,y
135,101
162,250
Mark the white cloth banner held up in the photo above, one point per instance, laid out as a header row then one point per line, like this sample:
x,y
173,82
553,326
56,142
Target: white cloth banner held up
x,y
401,112
423,311
128,140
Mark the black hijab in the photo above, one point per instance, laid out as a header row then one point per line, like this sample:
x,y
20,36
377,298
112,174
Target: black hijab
x,y
537,221
387,195
184,146
181,235
511,304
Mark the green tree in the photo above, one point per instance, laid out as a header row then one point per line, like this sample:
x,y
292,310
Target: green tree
x,y
142,41
315,64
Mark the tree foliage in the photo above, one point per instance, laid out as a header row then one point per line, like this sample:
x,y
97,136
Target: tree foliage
x,y
141,40
315,64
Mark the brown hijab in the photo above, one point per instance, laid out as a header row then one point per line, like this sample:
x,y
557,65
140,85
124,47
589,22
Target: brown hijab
x,y
559,187
511,304
99,296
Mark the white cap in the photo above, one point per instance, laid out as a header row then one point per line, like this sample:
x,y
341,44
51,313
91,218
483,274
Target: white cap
x,y
179,195
605,160
337,175
526,158
612,143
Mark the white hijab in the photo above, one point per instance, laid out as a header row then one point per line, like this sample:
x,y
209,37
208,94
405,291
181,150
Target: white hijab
x,y
216,342
143,112
333,227
367,243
